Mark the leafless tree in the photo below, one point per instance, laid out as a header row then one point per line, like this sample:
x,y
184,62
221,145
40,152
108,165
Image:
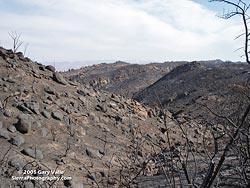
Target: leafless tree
x,y
16,40
241,8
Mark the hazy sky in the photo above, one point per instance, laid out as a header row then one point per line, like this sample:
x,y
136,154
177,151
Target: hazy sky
x,y
146,30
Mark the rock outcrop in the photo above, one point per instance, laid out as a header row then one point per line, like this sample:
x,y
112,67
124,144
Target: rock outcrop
x,y
51,123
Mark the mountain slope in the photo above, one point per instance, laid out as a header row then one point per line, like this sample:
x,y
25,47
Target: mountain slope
x,y
58,133
126,79
193,83
48,123
121,78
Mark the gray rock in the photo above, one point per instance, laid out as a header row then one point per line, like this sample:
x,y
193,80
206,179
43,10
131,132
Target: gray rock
x,y
5,79
21,89
50,90
36,124
82,92
91,176
57,102
59,78
5,89
41,67
33,106
46,114
73,104
51,98
76,184
24,109
59,161
20,54
113,105
24,123
1,124
103,127
162,138
35,71
51,68
3,54
17,140
17,163
12,129
7,113
57,115
11,80
44,132
37,75
68,110
74,83
125,128
28,184
93,153
4,134
83,100
96,119
112,181
34,153
92,116
101,107
104,120
67,120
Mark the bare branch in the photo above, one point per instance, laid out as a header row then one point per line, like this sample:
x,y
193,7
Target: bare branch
x,y
16,40
241,9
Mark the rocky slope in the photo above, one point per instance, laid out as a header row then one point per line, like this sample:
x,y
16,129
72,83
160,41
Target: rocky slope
x,y
89,137
189,85
59,133
121,78
218,98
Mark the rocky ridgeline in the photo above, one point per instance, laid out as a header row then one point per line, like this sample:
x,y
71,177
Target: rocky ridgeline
x,y
128,79
192,84
49,123
120,78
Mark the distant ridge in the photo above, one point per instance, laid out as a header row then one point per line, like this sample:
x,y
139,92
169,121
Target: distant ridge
x,y
127,79
194,82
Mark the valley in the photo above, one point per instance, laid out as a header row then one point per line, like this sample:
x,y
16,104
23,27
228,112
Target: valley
x,y
156,134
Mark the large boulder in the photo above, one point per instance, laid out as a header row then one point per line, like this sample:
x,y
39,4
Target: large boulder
x,y
17,140
17,162
4,134
51,68
24,123
57,115
59,78
92,153
33,106
34,153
